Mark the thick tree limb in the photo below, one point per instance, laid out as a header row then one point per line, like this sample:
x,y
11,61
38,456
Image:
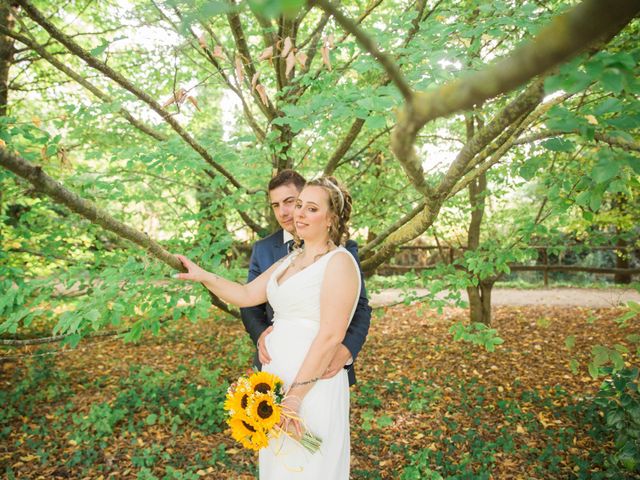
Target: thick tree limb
x,y
7,52
344,146
382,236
522,105
245,57
102,67
53,189
566,36
356,126
434,198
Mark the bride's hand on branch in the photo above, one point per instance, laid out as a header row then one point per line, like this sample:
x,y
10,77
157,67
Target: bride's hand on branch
x,y
194,272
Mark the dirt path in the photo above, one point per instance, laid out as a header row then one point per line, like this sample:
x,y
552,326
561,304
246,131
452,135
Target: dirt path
x,y
560,297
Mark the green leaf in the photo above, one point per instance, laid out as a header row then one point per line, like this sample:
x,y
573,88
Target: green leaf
x,y
610,105
99,50
573,365
583,198
92,315
273,8
559,145
612,80
570,341
151,419
384,421
595,201
594,371
605,169
376,122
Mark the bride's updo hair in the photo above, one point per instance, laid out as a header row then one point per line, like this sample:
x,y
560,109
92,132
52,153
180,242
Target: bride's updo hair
x,y
339,207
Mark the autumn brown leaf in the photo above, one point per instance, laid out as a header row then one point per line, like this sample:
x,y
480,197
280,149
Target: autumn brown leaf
x,y
254,80
217,52
287,47
177,98
301,58
194,102
291,62
325,56
263,94
266,54
202,40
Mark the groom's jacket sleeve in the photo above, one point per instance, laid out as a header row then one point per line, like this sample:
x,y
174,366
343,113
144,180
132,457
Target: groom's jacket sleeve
x,y
359,326
255,319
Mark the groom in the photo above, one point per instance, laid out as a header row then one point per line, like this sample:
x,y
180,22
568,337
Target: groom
x,y
284,189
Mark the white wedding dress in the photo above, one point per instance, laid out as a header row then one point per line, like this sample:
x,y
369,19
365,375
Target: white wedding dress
x,y
325,408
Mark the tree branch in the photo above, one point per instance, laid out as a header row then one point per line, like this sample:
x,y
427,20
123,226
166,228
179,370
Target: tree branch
x,y
93,62
344,146
53,189
82,81
566,36
364,251
356,127
245,57
628,145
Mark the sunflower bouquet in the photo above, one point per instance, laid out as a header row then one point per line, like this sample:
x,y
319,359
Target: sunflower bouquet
x,y
254,406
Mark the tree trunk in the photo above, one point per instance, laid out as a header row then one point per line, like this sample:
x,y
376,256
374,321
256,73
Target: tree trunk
x,y
622,255
6,54
622,261
480,302
479,295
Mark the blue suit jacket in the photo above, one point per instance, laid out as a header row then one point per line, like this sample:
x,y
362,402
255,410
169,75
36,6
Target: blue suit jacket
x,y
257,319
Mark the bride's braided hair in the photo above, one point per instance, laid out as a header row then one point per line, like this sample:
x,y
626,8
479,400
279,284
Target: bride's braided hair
x,y
339,206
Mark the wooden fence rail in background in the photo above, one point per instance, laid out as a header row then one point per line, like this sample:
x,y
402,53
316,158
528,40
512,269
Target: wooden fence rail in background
x,y
448,254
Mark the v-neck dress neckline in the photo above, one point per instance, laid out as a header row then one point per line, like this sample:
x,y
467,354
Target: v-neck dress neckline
x,y
277,279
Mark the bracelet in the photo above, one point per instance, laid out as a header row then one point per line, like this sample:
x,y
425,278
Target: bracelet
x,y
299,384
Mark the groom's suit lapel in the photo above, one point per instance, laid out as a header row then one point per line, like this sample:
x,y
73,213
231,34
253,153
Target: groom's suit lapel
x,y
279,249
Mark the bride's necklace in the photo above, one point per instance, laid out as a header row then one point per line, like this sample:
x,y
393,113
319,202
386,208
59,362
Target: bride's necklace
x,y
297,264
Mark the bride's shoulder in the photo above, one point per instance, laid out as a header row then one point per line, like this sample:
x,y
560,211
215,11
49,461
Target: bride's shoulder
x,y
340,259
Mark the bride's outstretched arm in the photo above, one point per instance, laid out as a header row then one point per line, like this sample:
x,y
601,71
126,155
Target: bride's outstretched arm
x,y
253,293
337,297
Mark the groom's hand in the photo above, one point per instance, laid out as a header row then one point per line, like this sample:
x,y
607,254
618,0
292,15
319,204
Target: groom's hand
x,y
263,354
339,360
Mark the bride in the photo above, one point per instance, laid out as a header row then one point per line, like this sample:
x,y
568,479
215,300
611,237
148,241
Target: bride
x,y
314,292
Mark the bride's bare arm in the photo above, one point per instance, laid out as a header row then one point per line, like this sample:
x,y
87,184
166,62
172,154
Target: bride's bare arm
x,y
337,297
248,295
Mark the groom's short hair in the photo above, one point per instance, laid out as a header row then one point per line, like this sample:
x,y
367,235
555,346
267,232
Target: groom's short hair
x,y
286,177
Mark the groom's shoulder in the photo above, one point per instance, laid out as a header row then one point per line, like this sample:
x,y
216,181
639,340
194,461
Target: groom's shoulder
x,y
269,240
351,245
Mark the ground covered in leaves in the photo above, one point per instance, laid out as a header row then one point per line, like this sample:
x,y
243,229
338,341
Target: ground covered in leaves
x,y
425,406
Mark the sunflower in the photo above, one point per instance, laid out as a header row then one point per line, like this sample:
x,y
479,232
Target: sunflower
x,y
238,397
264,382
247,432
264,410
